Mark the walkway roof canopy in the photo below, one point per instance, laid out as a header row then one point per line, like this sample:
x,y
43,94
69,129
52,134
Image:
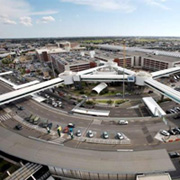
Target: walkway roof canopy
x,y
155,109
100,87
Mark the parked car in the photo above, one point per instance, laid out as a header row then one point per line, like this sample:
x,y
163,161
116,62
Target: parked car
x,y
59,103
18,127
20,108
90,134
54,104
36,120
164,133
123,122
105,135
168,112
177,109
174,154
118,94
78,133
44,123
176,130
172,132
120,136
32,118
172,111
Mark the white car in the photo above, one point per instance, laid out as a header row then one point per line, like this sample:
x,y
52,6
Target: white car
x,y
78,133
105,135
90,134
54,104
164,133
123,122
120,136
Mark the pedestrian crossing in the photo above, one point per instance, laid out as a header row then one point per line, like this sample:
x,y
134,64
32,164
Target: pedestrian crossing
x,y
59,140
4,117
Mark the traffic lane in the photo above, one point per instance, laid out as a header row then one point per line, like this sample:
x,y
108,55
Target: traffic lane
x,y
4,88
176,162
25,131
168,105
174,122
143,144
130,131
99,147
52,115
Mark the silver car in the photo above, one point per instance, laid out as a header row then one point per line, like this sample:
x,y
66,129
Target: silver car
x,y
90,134
164,133
123,122
78,133
120,136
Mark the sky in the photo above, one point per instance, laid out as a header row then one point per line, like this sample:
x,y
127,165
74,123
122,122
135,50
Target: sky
x,y
76,18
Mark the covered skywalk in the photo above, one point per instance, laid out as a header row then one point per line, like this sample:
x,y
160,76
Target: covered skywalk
x,y
104,77
26,84
152,105
126,71
5,73
91,70
21,93
163,89
164,72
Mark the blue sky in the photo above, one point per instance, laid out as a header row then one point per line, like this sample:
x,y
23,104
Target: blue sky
x,y
64,18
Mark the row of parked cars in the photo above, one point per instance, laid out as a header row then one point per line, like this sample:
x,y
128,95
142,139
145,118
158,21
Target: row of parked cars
x,y
174,110
105,134
173,131
33,119
176,76
90,133
50,100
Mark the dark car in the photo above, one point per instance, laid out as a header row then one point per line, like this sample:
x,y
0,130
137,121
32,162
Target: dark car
x,y
168,112
150,92
172,132
18,127
174,154
20,108
176,130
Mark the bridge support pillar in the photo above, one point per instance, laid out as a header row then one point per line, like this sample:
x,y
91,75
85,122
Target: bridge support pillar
x,y
162,97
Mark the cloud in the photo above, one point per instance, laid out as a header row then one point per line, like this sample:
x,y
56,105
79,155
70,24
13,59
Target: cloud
x,y
26,21
47,12
122,5
20,8
158,3
14,9
6,20
46,19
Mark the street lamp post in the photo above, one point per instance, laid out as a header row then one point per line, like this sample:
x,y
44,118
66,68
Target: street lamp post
x,y
124,64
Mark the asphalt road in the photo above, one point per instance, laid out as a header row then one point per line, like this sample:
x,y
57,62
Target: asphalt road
x,y
140,132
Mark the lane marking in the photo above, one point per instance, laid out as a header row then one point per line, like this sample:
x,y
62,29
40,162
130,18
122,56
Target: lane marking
x,y
125,150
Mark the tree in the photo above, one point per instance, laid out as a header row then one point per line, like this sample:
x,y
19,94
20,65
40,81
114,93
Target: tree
x,y
109,102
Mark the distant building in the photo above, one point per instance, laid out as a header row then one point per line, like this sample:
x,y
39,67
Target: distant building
x,y
139,58
72,61
44,53
60,47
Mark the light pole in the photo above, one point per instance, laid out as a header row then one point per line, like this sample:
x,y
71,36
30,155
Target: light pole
x,y
124,64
